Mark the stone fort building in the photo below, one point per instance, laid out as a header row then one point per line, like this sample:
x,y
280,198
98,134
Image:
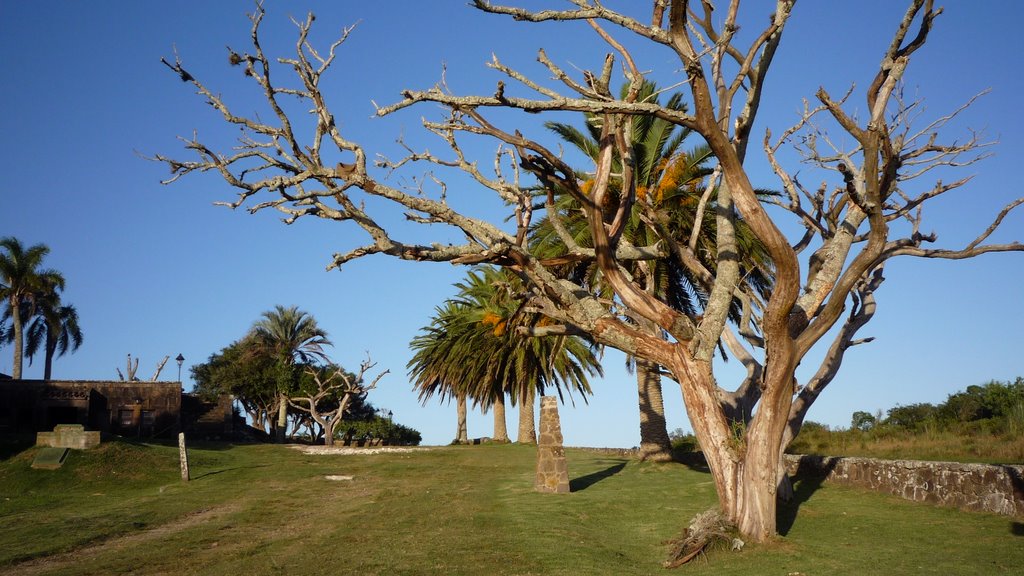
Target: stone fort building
x,y
139,409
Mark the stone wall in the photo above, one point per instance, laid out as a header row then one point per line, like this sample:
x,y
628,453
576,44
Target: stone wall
x,y
981,487
203,419
127,408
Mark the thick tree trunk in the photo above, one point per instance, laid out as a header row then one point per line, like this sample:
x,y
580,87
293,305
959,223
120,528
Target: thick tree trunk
x,y
527,424
654,442
744,462
462,432
500,427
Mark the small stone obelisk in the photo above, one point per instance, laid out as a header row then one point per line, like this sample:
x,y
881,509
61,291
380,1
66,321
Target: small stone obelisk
x,y
552,469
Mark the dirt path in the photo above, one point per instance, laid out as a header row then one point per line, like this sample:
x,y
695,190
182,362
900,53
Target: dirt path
x,y
349,450
66,560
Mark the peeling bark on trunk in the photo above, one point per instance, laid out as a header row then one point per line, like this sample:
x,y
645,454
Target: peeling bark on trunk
x,y
500,427
744,462
654,441
527,424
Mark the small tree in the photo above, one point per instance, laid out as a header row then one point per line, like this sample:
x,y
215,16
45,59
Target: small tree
x,y
862,421
244,371
335,390
911,416
291,336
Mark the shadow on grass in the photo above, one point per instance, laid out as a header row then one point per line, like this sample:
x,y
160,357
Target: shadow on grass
x,y
809,476
584,482
1016,528
13,444
693,460
149,442
215,472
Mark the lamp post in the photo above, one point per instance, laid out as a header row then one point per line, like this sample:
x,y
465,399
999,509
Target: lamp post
x,y
180,359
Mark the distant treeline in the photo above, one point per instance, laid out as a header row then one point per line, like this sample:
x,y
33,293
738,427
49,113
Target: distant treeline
x,y
980,424
983,423
995,408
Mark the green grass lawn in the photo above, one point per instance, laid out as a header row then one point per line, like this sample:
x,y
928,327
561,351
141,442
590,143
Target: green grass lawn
x,y
122,508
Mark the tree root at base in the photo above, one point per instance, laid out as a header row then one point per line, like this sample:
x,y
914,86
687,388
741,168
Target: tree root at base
x,y
708,528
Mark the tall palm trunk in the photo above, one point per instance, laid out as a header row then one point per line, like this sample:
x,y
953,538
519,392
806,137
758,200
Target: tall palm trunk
x,y
654,441
462,432
500,427
527,424
19,340
51,351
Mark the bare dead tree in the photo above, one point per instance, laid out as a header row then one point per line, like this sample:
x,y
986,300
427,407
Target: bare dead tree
x,y
132,367
328,403
868,210
159,368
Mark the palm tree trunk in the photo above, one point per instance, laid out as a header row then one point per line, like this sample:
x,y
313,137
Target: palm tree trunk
x,y
654,441
19,340
51,350
500,427
462,432
527,424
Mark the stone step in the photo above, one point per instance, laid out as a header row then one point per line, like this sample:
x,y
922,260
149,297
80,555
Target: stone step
x,y
50,458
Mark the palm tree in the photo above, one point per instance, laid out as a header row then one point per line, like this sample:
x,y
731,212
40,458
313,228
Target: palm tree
x,y
442,353
55,329
291,336
472,349
22,283
670,181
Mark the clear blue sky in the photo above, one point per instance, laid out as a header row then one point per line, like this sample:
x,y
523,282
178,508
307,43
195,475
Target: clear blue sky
x,y
157,270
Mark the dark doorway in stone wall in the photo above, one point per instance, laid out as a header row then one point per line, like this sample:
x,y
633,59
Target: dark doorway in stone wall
x,y
61,415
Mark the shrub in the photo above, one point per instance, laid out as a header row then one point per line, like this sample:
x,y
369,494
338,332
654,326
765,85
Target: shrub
x,y
378,431
684,443
912,416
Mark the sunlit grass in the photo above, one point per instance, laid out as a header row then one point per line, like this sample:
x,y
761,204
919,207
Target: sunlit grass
x,y
250,510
